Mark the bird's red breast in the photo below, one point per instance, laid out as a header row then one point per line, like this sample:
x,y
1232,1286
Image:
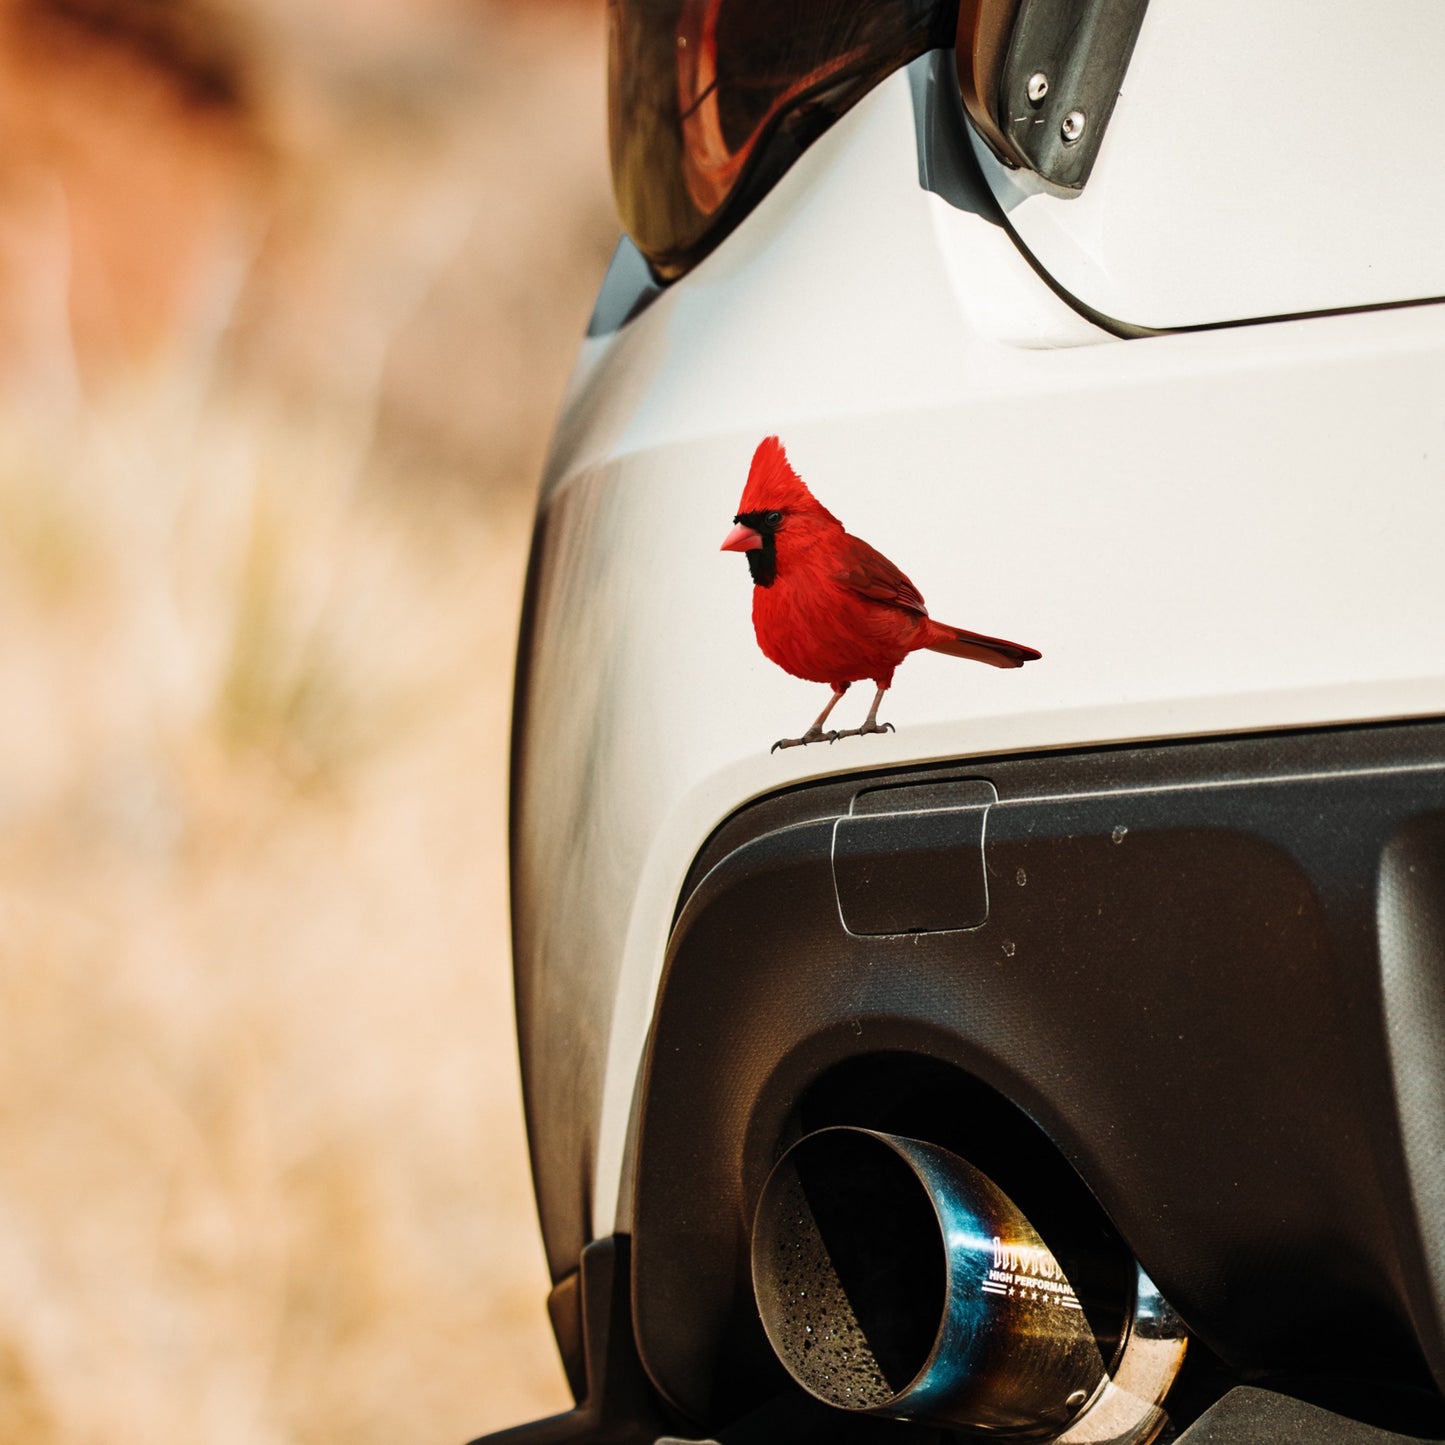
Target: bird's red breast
x,y
833,615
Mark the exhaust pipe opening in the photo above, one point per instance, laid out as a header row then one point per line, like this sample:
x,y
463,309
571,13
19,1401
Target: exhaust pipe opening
x,y
861,1307
894,1278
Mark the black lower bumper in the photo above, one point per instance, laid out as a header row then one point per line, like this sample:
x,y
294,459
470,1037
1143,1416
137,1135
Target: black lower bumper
x,y
1185,1003
620,1407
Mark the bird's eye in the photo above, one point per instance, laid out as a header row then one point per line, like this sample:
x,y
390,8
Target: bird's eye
x,y
773,519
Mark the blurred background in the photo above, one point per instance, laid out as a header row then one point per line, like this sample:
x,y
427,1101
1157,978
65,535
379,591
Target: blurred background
x,y
288,294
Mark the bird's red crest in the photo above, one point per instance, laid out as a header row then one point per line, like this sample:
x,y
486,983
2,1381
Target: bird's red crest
x,y
774,485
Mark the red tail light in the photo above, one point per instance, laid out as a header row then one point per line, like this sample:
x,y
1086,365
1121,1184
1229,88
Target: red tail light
x,y
710,101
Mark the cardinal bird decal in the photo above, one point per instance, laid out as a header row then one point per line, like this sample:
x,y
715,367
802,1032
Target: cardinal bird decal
x,y
829,608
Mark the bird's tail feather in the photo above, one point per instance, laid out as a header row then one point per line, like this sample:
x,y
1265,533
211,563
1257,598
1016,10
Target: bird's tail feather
x,y
957,642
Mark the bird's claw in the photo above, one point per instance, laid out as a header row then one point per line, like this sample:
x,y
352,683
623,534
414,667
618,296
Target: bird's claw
x,y
858,732
813,735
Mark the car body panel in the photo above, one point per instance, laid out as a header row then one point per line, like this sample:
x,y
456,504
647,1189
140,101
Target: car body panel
x,y
1206,533
1261,160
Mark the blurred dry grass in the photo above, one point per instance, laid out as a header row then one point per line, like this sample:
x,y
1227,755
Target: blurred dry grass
x,y
287,295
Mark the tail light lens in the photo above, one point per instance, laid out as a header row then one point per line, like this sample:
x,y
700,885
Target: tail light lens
x,y
710,101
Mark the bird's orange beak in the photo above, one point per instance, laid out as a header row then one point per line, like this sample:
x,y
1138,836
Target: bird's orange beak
x,y
741,539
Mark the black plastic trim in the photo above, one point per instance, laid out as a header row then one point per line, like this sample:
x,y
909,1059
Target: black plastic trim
x,y
628,289
1250,1416
1177,993
618,1407
1082,47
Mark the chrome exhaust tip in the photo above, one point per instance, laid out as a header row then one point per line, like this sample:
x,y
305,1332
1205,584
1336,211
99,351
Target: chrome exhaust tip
x,y
893,1278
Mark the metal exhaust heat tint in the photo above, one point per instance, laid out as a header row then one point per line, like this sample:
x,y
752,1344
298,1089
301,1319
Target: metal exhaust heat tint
x,y
893,1278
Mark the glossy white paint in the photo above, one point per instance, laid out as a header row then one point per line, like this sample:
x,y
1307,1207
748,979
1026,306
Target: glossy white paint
x,y
1262,160
1213,532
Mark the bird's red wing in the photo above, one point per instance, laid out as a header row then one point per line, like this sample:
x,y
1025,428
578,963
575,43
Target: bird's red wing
x,y
868,572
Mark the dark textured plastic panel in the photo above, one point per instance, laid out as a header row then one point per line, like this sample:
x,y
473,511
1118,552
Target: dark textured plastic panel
x,y
908,861
1082,49
1259,1417
617,1405
1178,983
1411,925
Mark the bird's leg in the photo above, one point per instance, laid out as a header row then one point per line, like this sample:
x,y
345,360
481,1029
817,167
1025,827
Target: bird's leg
x,y
815,734
871,723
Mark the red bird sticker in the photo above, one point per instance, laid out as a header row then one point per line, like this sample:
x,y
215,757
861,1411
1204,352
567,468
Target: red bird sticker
x,y
829,608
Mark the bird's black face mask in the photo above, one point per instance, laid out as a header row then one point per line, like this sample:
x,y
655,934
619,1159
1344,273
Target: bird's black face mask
x,y
763,561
